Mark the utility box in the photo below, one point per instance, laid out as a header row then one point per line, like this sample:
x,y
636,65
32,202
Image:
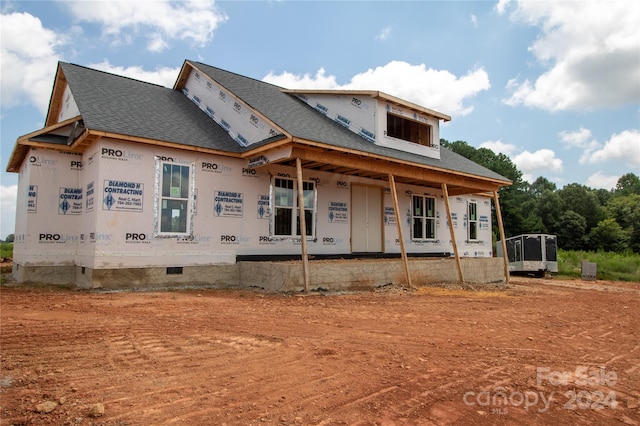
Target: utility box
x,y
589,270
531,254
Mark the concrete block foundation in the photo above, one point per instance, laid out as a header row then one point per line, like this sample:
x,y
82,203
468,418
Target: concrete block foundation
x,y
284,276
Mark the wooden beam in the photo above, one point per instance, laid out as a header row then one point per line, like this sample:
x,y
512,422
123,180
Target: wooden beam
x,y
303,226
55,103
445,194
502,237
396,209
165,144
399,170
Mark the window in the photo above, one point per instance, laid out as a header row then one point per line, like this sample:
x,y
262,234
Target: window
x,y
423,218
285,208
472,221
408,130
174,203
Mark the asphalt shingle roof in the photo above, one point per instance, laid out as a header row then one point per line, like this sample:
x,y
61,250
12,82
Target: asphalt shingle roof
x,y
121,105
112,103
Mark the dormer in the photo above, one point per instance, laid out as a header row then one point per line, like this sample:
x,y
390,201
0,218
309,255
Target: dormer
x,y
380,118
377,117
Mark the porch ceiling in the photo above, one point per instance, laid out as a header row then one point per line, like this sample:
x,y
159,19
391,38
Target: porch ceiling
x,y
356,164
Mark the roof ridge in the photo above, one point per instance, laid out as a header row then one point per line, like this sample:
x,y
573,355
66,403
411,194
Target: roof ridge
x,y
62,63
238,75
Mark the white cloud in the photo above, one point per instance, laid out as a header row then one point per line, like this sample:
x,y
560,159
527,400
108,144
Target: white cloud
x,y
158,20
306,81
532,164
578,139
29,57
499,147
384,34
599,180
501,6
163,76
623,147
8,209
590,50
474,21
435,89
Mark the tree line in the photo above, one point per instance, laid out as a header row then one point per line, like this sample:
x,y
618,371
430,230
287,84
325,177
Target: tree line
x,y
583,218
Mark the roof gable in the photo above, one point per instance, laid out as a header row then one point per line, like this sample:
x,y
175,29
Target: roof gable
x,y
124,106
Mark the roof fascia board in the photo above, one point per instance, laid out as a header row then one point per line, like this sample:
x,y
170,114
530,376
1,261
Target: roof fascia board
x,y
17,157
55,101
182,78
374,94
266,147
155,142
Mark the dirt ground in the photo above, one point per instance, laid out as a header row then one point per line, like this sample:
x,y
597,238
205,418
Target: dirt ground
x,y
540,351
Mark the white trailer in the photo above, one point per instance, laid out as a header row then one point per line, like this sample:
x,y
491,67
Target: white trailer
x,y
531,254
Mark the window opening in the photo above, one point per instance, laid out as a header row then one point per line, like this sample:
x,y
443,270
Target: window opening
x,y
408,130
286,218
423,212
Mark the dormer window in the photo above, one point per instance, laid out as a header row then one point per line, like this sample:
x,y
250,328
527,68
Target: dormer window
x,y
408,130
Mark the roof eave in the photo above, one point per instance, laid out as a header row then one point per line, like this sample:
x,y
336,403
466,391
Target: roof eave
x,y
23,144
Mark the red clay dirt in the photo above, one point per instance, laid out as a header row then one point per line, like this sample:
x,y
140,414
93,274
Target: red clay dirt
x,y
537,352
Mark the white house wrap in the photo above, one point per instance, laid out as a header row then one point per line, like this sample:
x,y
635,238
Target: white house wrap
x,y
185,186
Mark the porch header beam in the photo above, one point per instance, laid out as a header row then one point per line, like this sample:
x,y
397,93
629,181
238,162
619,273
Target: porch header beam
x,y
465,183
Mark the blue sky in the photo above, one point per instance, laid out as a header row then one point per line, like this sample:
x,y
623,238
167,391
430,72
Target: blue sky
x,y
554,85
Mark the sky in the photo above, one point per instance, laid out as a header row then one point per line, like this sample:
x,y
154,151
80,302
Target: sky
x,y
554,85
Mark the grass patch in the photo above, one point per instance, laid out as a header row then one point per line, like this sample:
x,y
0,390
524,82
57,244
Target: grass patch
x,y
6,250
610,266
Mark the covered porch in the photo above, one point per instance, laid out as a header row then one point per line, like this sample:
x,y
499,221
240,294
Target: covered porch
x,y
309,155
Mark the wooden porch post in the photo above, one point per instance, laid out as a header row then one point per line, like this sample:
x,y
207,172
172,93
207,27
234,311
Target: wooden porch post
x,y
502,238
303,226
445,193
396,209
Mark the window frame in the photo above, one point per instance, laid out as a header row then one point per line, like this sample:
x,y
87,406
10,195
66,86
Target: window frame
x,y
162,198
424,217
402,128
294,224
472,222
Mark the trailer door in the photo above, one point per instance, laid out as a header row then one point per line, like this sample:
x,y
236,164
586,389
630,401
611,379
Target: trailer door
x,y
551,249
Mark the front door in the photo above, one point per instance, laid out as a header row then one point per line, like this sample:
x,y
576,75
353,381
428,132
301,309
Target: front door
x,y
366,219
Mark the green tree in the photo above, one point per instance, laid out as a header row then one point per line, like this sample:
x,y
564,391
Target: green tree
x,y
626,211
571,231
9,238
549,209
628,184
608,235
541,186
583,201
